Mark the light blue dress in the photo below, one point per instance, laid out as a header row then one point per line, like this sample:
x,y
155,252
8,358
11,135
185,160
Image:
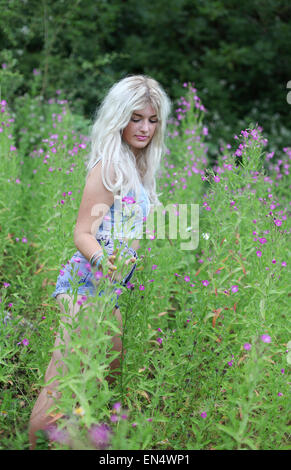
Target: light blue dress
x,y
123,220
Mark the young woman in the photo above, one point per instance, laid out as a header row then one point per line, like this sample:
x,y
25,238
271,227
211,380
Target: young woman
x,y
127,143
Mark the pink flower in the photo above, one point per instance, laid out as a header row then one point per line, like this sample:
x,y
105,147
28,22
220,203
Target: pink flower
x,y
266,339
205,282
117,407
262,240
114,418
234,288
55,434
98,275
187,278
25,342
129,285
259,253
141,287
159,340
100,435
128,200
247,346
203,414
154,266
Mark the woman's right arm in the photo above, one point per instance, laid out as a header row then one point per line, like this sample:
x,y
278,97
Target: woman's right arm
x,y
95,203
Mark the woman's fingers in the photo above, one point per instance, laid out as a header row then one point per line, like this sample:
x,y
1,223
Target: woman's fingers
x,y
111,266
112,259
130,260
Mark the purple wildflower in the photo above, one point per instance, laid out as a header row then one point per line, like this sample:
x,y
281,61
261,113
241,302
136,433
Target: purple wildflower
x,y
114,418
117,407
55,434
278,222
100,435
98,275
262,240
266,339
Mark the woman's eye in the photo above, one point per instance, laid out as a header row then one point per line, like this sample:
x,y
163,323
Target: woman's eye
x,y
137,120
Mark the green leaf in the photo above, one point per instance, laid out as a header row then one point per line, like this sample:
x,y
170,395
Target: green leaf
x,y
229,431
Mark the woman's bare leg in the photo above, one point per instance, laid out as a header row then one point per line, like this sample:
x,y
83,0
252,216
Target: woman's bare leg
x,y
39,418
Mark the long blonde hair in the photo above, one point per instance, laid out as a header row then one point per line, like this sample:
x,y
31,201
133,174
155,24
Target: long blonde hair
x,y
129,94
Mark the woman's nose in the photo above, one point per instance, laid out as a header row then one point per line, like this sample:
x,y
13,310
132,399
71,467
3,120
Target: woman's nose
x,y
144,126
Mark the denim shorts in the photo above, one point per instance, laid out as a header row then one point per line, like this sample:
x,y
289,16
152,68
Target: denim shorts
x,y
81,265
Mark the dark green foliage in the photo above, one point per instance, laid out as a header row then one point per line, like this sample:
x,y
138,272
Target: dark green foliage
x,y
236,53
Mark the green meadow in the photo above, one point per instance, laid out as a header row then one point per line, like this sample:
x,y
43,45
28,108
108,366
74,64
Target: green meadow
x,y
206,331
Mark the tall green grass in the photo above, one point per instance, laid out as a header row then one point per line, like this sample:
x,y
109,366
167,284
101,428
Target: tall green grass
x,y
205,332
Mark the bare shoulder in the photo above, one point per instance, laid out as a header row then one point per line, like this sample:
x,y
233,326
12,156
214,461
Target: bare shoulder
x,y
95,194
94,179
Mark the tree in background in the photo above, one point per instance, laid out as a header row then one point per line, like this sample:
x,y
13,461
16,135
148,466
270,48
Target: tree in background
x,y
236,53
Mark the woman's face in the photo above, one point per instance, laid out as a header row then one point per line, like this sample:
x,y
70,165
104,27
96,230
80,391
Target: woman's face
x,y
141,128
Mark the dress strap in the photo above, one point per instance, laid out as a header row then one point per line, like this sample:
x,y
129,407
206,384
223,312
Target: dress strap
x,y
98,160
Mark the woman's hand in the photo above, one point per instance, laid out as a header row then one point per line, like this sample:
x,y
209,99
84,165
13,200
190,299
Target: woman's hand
x,y
113,268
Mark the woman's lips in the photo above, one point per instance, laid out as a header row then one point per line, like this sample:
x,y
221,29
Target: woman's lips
x,y
141,137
